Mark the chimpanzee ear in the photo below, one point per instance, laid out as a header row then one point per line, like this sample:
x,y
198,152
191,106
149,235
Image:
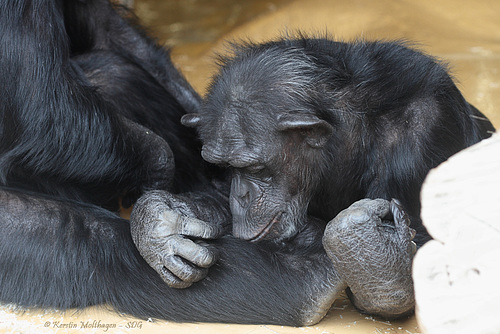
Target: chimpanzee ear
x,y
191,120
316,131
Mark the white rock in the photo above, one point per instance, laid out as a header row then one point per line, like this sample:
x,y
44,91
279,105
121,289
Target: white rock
x,y
457,275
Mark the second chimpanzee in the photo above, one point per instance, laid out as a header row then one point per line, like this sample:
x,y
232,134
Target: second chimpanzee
x,y
313,131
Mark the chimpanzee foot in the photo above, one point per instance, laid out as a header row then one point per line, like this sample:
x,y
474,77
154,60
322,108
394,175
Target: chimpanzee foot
x,y
370,246
162,228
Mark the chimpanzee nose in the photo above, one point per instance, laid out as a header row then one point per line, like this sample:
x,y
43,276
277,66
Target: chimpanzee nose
x,y
240,191
243,191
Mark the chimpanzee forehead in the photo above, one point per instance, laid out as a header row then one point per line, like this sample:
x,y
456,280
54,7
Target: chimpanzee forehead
x,y
244,122
266,75
239,134
252,90
253,110
243,109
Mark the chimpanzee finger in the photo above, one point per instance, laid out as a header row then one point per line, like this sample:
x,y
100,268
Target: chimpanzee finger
x,y
185,271
192,227
402,223
377,213
380,207
195,253
400,216
401,219
373,207
172,280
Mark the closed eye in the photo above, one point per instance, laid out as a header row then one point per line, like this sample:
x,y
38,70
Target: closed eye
x,y
259,173
255,169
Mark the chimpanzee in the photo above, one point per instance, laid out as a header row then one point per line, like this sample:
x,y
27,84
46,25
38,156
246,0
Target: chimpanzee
x,y
90,113
325,142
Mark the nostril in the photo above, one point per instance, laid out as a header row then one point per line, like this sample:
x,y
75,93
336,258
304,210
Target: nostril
x,y
241,191
245,199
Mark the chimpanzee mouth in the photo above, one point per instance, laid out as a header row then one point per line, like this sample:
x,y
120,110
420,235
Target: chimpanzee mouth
x,y
265,231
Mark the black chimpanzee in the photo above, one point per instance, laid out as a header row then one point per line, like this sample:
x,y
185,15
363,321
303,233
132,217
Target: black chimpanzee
x,y
90,110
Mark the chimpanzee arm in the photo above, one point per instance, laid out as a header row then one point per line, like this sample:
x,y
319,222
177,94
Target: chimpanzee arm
x,y
56,128
63,254
130,70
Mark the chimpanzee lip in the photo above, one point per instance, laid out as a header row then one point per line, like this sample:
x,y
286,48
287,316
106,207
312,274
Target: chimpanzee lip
x,y
265,231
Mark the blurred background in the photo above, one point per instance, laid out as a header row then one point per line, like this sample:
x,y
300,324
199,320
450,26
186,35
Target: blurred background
x,y
463,33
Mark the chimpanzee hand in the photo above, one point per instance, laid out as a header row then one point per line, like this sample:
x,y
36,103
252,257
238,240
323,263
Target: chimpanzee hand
x,y
371,248
163,229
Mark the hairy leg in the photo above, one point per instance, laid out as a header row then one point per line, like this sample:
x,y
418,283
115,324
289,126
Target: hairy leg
x,y
173,232
64,254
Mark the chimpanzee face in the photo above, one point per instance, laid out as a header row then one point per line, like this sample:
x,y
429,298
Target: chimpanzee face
x,y
272,158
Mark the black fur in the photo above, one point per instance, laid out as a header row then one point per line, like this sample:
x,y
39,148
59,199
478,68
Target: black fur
x,y
80,255
68,101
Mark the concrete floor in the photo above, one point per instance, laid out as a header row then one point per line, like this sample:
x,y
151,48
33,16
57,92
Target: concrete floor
x,y
463,33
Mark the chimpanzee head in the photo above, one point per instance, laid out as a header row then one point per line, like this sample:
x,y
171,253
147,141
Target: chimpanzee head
x,y
260,120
